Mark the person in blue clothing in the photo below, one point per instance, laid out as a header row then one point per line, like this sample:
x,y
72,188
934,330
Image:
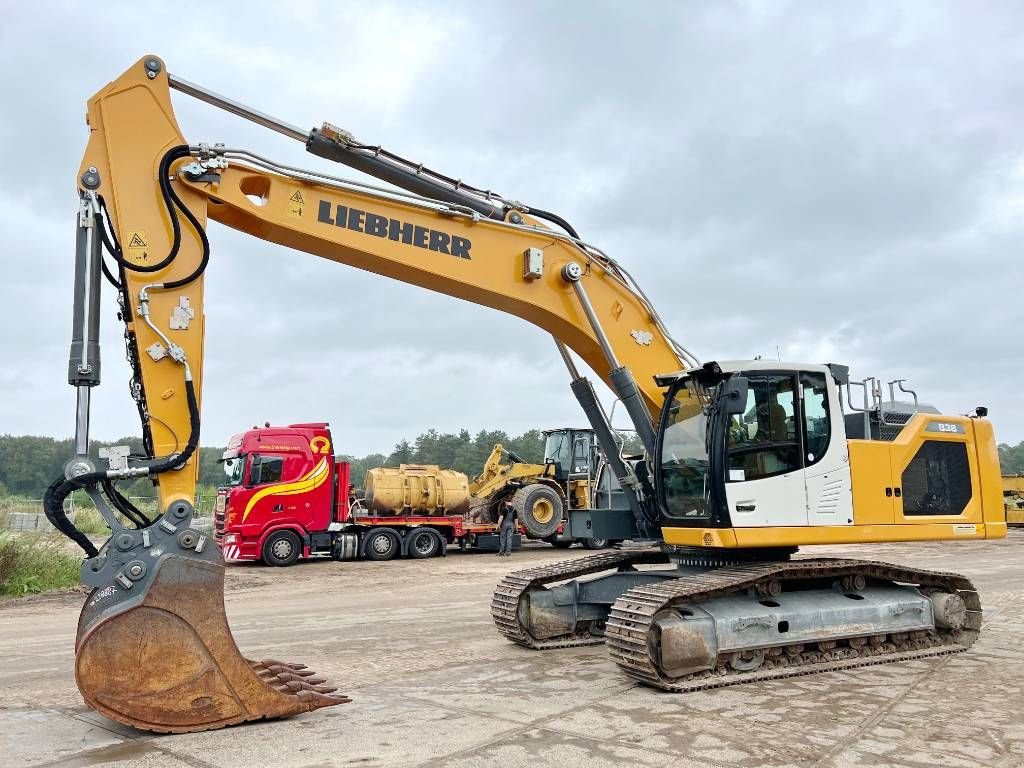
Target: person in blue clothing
x,y
507,519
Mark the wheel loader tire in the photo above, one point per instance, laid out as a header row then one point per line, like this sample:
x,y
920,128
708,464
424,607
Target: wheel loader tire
x,y
540,509
423,543
282,548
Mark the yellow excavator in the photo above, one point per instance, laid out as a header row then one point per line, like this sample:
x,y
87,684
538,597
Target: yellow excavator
x,y
743,461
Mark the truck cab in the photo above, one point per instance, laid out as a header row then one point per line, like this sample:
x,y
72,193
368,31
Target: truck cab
x,y
283,486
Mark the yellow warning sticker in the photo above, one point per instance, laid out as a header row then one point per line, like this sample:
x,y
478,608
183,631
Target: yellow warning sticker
x,y
296,204
138,247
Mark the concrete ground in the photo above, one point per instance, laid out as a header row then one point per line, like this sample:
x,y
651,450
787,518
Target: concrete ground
x,y
433,684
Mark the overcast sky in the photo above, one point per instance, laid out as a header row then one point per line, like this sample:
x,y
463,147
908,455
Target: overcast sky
x,y
832,182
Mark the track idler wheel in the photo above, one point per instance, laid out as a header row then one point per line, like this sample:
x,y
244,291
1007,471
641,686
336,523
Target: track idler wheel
x,y
154,650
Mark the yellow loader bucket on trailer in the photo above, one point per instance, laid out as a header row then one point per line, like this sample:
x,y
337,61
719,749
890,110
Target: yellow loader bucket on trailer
x,y
154,650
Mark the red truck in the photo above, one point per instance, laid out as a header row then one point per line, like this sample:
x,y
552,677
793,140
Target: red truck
x,y
287,497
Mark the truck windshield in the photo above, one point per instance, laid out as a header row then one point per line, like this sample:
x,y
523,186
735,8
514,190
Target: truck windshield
x,y
558,448
683,453
234,469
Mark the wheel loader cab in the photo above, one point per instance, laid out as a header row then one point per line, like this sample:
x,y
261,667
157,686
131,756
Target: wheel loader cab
x,y
745,445
572,452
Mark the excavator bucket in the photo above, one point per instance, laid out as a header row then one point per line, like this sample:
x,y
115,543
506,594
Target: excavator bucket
x,y
154,650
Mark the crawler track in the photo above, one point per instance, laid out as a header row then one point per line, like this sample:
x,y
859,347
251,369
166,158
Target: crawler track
x,y
629,623
505,602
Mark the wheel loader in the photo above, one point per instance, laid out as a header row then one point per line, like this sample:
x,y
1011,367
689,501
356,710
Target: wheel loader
x,y
542,493
743,462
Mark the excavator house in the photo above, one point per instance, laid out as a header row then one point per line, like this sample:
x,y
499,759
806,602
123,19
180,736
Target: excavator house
x,y
743,463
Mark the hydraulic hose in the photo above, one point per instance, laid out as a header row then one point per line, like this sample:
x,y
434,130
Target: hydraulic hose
x,y
172,201
124,506
110,242
554,218
53,508
176,460
60,489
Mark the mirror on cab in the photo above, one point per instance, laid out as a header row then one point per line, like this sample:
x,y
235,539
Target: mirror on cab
x,y
734,395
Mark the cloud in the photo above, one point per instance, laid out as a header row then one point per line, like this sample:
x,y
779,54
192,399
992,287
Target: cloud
x,y
818,181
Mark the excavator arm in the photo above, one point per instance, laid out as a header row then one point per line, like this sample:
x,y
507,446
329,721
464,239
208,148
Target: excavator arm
x,y
146,195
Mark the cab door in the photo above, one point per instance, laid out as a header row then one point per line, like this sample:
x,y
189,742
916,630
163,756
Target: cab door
x,y
825,452
765,484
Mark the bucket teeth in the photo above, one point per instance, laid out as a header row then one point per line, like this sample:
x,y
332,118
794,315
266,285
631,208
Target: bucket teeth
x,y
275,663
323,700
279,669
168,663
295,686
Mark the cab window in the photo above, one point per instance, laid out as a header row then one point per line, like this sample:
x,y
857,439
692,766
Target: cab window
x,y
816,418
581,456
265,469
765,440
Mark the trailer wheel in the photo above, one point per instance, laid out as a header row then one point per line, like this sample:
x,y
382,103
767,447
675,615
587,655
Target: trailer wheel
x,y
596,543
381,544
423,543
540,509
281,548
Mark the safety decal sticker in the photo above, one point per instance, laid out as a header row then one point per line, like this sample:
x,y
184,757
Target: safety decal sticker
x,y
296,204
138,247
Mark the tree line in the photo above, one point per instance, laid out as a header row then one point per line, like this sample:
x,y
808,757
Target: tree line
x,y
28,464
1011,458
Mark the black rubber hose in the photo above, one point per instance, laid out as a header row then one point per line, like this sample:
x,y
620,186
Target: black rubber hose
x,y
60,489
110,242
554,218
109,275
176,460
53,508
124,506
202,238
172,201
167,193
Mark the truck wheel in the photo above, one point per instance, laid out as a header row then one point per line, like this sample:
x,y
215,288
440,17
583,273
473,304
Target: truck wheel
x,y
540,509
281,548
558,542
423,543
596,543
381,544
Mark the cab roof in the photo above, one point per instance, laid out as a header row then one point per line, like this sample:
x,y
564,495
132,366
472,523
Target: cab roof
x,y
715,368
